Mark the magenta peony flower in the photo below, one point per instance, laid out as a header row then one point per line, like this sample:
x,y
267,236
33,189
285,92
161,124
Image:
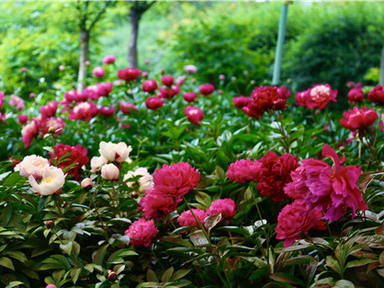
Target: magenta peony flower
x,y
109,59
206,89
376,95
154,103
194,114
129,74
226,207
77,155
23,119
191,69
318,186
240,101
320,95
30,131
356,95
83,111
103,89
127,108
142,232
274,174
190,96
284,92
167,80
169,92
186,218
98,72
301,97
2,98
49,110
222,77
32,95
294,220
47,125
175,180
107,111
149,86
243,170
154,204
357,119
17,101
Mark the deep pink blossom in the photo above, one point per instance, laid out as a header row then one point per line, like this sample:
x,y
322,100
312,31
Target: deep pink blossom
x,y
356,95
206,89
30,131
141,232
17,101
330,190
49,110
167,80
154,103
106,111
240,101
49,124
3,117
127,108
376,95
169,92
320,95
301,97
155,204
109,59
23,70
83,111
98,72
129,74
284,92
226,207
103,89
357,119
186,218
295,220
149,86
243,170
194,114
190,96
2,98
23,119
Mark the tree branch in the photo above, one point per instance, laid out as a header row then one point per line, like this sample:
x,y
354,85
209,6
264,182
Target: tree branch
x,y
101,12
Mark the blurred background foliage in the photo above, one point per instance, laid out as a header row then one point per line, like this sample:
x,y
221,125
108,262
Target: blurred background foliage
x,y
326,42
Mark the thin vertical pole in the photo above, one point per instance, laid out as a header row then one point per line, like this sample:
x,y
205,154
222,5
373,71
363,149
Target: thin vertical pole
x,y
280,44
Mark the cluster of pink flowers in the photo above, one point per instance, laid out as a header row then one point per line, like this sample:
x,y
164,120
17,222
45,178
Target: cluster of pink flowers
x,y
357,119
316,97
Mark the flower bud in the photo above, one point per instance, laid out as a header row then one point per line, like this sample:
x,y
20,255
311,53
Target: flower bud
x,y
110,172
86,184
112,276
51,130
50,224
134,195
50,286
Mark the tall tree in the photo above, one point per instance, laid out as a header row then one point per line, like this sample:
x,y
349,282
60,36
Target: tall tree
x,y
86,23
136,11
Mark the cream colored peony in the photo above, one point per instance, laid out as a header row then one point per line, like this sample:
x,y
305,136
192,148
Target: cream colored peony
x,y
51,182
145,181
110,172
32,165
97,162
115,152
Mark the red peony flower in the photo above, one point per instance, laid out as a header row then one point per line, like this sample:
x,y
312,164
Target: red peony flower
x,y
83,111
167,80
154,103
142,232
186,218
129,74
356,95
49,110
240,101
357,119
243,170
301,97
107,111
376,95
226,207
175,180
127,108
190,96
294,220
274,174
169,92
153,204
194,114
206,89
77,155
318,186
320,95
149,86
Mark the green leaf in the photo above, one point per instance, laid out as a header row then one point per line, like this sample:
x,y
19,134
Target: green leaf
x,y
13,179
361,262
18,255
75,273
100,254
259,273
15,284
286,278
235,229
151,276
42,202
7,263
180,274
167,274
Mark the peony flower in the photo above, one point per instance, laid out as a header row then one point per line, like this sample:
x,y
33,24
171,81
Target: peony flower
x,y
145,74
32,95
191,69
154,204
17,101
294,220
114,152
127,108
318,186
32,165
110,172
243,170
51,124
50,286
49,110
83,111
357,119
226,207
190,96
240,101
145,181
154,103
97,162
222,77
106,111
129,74
169,92
376,95
274,174
2,98
186,218
61,67
29,131
103,89
86,184
146,61
98,72
176,180
51,182
301,97
77,156
149,86
194,114
167,80
206,89
320,95
109,59
23,119
142,232
356,95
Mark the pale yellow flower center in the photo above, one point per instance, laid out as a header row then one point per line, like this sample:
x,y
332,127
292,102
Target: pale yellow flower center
x,y
47,179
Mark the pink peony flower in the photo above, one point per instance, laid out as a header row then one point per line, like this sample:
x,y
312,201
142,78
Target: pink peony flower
x,y
32,165
103,89
32,95
169,92
106,111
115,152
356,95
83,111
190,96
61,67
127,108
55,124
3,117
74,96
357,119
149,86
167,80
186,218
180,80
146,61
145,74
226,207
222,77
301,97
274,174
76,155
318,186
110,172
87,63
23,119
154,204
194,114
320,95
2,98
284,92
176,180
51,181
98,72
191,69
50,286
86,184
17,101
240,101
376,95
129,74
350,84
49,110
243,170
294,220
206,89
29,132
97,162
142,232
109,59
154,103
23,70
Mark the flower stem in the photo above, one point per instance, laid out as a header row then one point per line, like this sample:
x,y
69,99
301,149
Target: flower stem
x,y
282,131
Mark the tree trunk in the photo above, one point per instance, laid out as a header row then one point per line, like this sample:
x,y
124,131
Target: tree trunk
x,y
84,46
381,80
134,18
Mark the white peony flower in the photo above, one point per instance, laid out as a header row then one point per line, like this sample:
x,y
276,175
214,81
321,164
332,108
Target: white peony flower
x,y
145,181
110,172
97,162
114,152
51,182
32,165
